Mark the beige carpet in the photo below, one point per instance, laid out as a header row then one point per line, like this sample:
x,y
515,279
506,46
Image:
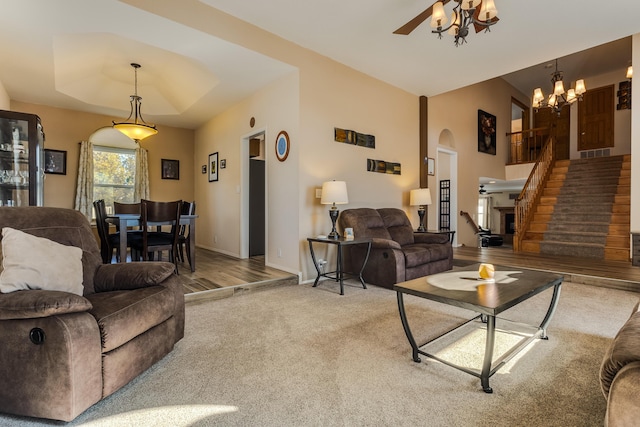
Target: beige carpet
x,y
303,356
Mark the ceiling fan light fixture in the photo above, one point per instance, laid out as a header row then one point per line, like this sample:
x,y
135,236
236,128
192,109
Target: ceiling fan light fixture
x,y
137,129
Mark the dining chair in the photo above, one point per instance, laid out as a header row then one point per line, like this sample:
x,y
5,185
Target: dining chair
x,y
158,241
184,236
108,241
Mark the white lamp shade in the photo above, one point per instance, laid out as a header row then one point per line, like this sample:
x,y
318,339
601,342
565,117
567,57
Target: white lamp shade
x,y
334,192
630,72
470,4
558,88
488,10
571,96
420,197
580,87
455,18
537,96
438,15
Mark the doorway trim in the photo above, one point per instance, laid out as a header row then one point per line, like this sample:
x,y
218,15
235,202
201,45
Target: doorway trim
x,y
244,192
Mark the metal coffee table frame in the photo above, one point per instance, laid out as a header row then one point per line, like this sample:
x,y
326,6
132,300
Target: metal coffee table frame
x,y
487,315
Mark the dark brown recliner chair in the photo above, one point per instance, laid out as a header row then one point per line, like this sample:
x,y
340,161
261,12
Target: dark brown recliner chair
x,y
60,352
397,252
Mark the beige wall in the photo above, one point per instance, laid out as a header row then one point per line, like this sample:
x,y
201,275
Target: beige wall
x,y
453,125
336,96
222,205
64,129
5,102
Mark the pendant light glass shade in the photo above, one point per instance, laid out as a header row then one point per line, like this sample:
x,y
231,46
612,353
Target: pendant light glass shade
x,y
137,129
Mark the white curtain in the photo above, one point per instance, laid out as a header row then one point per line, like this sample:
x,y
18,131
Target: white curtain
x,y
84,188
141,190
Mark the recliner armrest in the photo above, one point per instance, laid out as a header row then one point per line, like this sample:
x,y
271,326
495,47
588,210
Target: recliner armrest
x,y
430,238
33,304
131,275
378,243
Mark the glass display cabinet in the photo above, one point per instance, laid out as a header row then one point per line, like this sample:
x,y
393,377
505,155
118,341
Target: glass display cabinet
x,y
21,159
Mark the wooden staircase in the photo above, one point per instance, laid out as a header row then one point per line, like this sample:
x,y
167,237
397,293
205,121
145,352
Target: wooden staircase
x,y
584,210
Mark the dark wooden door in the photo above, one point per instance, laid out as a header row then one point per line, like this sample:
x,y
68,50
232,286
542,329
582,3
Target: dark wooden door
x,y
256,207
595,119
559,125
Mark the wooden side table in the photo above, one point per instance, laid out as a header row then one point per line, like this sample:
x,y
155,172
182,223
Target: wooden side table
x,y
339,273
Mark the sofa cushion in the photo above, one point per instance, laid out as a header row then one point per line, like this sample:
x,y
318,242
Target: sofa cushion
x,y
365,222
31,262
398,225
123,315
624,349
65,226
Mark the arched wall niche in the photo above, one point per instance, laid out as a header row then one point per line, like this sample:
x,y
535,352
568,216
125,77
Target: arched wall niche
x,y
446,139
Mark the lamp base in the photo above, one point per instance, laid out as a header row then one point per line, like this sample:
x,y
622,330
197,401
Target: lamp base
x,y
421,212
333,214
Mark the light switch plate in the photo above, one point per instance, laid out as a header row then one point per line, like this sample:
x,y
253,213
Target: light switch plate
x,y
318,193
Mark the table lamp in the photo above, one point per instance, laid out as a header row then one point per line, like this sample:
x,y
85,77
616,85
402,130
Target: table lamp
x,y
334,193
420,197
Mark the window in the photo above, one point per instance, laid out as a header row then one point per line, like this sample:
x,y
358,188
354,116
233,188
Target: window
x,y
114,171
483,212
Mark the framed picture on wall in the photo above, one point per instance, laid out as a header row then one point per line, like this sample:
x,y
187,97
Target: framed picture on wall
x,y
213,167
486,132
170,169
55,162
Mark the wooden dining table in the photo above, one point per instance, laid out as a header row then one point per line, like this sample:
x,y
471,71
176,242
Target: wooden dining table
x,y
123,221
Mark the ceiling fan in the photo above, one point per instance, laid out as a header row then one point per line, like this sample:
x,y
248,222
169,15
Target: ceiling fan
x,y
463,16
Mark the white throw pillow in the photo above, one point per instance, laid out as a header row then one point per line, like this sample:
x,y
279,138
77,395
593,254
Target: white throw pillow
x,y
31,262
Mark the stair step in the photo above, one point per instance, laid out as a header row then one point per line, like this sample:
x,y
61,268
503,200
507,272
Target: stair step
x,y
579,227
573,237
581,249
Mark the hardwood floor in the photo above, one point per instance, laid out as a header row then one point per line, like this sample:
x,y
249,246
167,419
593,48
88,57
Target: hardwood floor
x,y
614,274
216,271
225,274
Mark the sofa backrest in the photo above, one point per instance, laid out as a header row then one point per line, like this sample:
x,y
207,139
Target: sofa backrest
x,y
65,226
365,222
398,225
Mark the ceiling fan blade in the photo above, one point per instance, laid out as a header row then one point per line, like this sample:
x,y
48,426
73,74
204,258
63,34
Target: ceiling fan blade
x,y
407,28
479,27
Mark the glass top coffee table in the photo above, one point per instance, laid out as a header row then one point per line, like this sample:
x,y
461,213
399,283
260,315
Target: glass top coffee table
x,y
463,288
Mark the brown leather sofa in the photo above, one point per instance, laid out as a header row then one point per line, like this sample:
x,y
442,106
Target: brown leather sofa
x,y
620,375
61,352
398,253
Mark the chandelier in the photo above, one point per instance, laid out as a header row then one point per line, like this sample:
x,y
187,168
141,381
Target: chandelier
x,y
138,129
559,98
465,13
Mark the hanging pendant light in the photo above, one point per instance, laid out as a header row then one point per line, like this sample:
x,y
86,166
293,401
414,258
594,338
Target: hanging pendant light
x,y
137,129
